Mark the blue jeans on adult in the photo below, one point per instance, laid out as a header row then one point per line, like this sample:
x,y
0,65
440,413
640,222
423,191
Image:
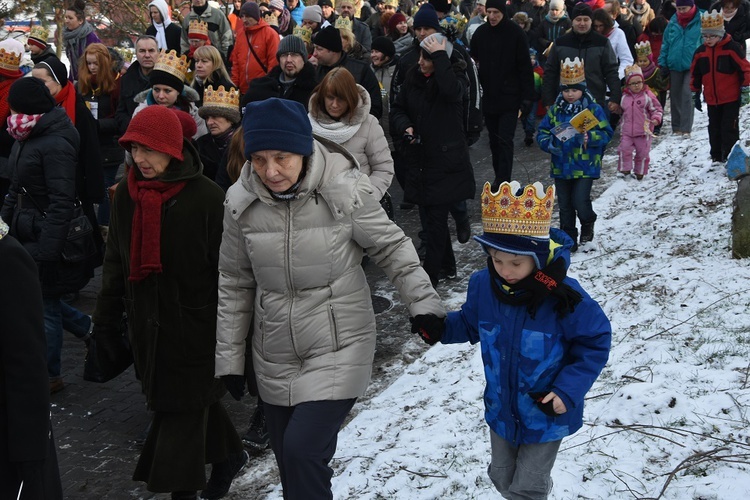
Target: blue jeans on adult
x,y
59,316
110,172
574,198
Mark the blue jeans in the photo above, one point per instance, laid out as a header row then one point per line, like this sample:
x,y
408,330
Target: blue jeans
x,y
574,198
58,316
110,172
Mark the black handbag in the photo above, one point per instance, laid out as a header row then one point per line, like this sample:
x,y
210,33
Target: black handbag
x,y
107,356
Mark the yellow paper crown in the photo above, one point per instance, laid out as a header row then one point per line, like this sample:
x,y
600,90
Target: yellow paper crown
x,y
198,27
9,61
271,19
528,214
170,62
39,32
392,3
571,72
221,97
343,23
643,49
712,21
633,70
303,32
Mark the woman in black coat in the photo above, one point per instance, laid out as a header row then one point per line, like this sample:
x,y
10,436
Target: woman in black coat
x,y
167,33
428,112
40,204
738,25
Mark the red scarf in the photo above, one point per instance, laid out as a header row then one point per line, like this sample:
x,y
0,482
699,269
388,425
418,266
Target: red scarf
x,y
4,89
20,125
145,232
67,97
684,19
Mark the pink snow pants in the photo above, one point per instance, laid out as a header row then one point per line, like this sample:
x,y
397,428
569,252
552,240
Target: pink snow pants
x,y
642,147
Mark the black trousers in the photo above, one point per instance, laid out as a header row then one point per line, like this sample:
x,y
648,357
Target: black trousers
x,y
303,439
439,248
501,128
723,128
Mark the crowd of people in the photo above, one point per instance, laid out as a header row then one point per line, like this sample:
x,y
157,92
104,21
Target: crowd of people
x,y
232,181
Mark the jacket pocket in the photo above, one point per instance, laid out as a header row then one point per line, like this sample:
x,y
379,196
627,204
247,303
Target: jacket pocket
x,y
26,225
260,315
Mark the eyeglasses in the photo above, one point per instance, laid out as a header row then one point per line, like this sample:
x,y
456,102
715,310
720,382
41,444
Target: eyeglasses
x,y
710,37
635,84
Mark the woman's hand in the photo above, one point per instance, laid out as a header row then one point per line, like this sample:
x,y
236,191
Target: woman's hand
x,y
557,403
410,132
432,45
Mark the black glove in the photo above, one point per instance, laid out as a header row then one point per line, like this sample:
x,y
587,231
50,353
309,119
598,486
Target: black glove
x,y
48,273
664,72
235,384
429,327
697,101
547,407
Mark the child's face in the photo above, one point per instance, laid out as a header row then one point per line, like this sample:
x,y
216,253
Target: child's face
x,y
635,84
511,267
711,40
533,59
572,95
643,62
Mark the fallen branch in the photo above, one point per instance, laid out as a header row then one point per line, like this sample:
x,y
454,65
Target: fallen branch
x,y
422,474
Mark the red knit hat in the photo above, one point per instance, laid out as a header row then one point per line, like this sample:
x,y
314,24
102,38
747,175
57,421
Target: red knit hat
x,y
157,128
395,20
189,128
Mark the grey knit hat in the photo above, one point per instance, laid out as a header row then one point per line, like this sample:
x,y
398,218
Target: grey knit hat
x,y
291,43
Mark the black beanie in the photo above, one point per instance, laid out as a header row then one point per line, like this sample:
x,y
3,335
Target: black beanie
x,y
158,77
426,17
443,6
250,9
581,9
57,68
385,45
30,96
496,4
329,38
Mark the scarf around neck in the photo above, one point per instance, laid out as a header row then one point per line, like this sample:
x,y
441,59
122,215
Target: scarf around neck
x,y
4,89
573,108
728,18
337,131
21,125
145,233
684,19
161,37
74,39
3,229
67,99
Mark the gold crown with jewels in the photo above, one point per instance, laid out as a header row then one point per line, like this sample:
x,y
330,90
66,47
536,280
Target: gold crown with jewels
x,y
712,21
198,27
572,72
9,61
303,32
39,32
343,23
221,97
643,49
634,69
528,214
170,62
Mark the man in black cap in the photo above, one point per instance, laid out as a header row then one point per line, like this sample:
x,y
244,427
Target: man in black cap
x,y
329,13
135,80
600,61
330,53
501,50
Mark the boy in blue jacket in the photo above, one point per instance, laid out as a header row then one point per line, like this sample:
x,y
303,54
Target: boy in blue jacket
x,y
544,340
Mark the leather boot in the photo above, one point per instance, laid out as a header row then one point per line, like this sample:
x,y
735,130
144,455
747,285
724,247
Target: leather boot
x,y
587,232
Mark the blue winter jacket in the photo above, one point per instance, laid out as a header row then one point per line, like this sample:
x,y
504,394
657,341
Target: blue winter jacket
x,y
679,44
523,355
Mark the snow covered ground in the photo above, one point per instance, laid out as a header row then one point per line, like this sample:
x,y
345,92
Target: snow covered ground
x,y
668,418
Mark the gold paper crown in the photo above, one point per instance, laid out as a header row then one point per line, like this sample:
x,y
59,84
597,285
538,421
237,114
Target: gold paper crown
x,y
392,3
198,27
221,97
271,19
39,32
303,32
529,214
712,21
571,72
9,61
170,62
634,69
643,49
343,23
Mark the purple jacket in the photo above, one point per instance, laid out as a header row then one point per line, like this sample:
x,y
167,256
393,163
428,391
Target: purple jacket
x,y
73,58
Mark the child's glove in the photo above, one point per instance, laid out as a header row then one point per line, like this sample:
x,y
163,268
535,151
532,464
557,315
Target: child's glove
x,y
429,327
697,101
744,96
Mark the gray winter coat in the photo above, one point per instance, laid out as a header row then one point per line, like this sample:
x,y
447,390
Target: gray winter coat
x,y
292,270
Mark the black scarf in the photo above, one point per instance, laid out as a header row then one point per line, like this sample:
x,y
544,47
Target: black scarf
x,y
536,287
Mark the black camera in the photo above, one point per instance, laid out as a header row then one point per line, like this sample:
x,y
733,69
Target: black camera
x,y
408,138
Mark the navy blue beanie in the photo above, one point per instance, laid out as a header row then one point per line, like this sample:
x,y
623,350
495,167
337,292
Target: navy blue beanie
x,y
278,125
538,248
426,17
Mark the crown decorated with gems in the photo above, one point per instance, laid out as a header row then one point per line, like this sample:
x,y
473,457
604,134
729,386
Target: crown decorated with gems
x,y
198,27
39,32
170,62
453,26
343,23
634,69
527,214
643,49
571,72
304,33
221,97
271,19
9,61
712,21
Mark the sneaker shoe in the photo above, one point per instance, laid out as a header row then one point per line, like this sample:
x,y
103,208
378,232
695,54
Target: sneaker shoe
x,y
463,231
257,435
56,385
222,475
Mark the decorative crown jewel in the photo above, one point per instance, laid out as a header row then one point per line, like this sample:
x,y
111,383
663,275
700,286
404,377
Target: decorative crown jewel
x,y
170,62
39,32
528,214
571,72
304,33
221,97
712,21
127,54
343,23
643,49
198,27
9,61
453,26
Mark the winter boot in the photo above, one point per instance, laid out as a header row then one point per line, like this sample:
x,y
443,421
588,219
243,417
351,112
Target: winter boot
x,y
222,475
529,139
573,233
257,435
587,232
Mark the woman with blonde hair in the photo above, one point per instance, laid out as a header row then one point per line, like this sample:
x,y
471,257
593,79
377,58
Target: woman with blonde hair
x,y
210,70
352,47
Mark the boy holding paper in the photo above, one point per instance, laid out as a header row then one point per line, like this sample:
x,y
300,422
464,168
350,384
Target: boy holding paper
x,y
575,132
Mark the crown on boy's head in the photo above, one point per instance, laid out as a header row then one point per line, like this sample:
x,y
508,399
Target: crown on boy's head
x,y
572,72
712,23
643,49
527,213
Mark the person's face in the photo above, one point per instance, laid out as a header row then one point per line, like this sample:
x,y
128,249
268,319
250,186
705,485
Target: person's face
x,y
146,53
640,2
636,84
335,106
310,24
325,56
292,4
389,8
199,3
711,40
494,16
402,28
155,14
582,24
92,64
49,82
237,5
538,3
150,162
278,170
378,58
683,9
423,32
217,125
248,21
481,11
291,64
572,95
34,50
426,66
511,267
347,10
642,62
345,44
164,95
71,20
196,43
380,6
203,67
729,9
327,11
599,27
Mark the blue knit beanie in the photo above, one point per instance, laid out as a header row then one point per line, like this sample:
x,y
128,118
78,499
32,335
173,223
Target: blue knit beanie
x,y
278,125
426,17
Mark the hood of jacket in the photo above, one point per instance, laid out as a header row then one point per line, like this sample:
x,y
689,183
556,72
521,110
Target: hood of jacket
x,y
359,116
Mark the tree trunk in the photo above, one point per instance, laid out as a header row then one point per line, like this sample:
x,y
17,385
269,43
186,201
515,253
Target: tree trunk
x,y
741,220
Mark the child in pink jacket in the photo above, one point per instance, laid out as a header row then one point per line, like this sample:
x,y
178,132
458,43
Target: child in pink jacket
x,y
641,112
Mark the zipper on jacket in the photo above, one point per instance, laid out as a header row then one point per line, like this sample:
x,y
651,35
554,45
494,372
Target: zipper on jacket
x,y
513,374
334,329
315,193
289,283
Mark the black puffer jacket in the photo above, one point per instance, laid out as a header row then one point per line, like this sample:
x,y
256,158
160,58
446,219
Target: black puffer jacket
x,y
739,25
268,86
132,83
439,168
